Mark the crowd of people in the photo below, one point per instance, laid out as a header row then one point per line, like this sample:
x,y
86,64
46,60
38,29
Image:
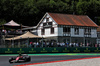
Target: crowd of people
x,y
50,43
61,44
11,31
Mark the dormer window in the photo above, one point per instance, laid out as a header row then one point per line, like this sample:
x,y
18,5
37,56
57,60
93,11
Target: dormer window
x,y
47,19
50,23
47,25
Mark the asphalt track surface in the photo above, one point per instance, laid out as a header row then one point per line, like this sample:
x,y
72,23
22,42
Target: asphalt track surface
x,y
4,60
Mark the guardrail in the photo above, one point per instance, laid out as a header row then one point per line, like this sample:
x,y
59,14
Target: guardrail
x,y
50,50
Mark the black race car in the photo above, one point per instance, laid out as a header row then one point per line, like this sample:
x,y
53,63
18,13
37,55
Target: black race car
x,y
20,58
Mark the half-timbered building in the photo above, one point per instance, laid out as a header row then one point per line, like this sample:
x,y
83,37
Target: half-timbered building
x,y
67,28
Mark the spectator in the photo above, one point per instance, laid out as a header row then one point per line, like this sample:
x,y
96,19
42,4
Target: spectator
x,y
20,31
9,31
80,44
44,44
67,44
70,44
83,45
99,45
37,44
34,44
3,31
31,44
74,44
95,45
77,45
58,44
87,44
52,44
63,44
47,43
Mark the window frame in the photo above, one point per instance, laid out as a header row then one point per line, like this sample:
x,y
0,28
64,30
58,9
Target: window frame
x,y
87,31
42,31
76,31
66,30
52,30
47,19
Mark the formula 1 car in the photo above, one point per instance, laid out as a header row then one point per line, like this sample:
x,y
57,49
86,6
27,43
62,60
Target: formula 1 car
x,y
20,58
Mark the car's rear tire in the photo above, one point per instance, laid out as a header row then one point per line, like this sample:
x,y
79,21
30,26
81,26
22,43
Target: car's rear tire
x,y
10,60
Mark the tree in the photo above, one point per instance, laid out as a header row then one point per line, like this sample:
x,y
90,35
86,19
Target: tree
x,y
82,7
30,12
90,8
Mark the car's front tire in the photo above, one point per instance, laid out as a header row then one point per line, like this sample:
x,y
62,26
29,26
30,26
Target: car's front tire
x,y
27,59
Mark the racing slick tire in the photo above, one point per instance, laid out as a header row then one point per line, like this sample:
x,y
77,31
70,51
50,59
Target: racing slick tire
x,y
10,60
27,59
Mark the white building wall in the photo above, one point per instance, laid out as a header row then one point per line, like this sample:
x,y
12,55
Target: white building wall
x,y
48,33
93,33
72,31
51,20
56,31
60,31
39,32
81,32
48,30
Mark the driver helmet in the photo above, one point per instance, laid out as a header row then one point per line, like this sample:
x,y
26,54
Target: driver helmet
x,y
20,54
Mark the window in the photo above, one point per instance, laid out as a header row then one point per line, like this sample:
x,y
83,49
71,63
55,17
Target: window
x,y
47,25
50,23
47,19
66,29
87,31
52,30
42,31
76,31
44,24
